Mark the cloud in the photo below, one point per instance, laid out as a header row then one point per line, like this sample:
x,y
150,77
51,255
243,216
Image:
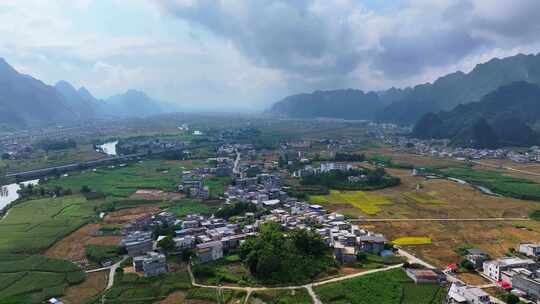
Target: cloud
x,y
327,42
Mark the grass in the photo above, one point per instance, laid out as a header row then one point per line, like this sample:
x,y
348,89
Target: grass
x,y
124,181
101,253
412,240
215,296
36,224
504,185
130,288
33,279
295,296
227,270
388,287
368,203
217,185
423,198
188,206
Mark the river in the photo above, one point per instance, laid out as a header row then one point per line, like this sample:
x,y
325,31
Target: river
x,y
8,193
109,148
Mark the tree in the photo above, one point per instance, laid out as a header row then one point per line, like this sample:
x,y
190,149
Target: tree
x,y
167,244
85,189
511,299
467,265
361,256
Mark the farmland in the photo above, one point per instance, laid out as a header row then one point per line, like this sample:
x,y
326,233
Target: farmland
x,y
412,240
497,182
33,279
186,206
34,225
294,296
366,202
389,287
124,181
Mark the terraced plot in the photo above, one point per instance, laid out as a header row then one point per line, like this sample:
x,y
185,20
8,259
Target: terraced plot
x,y
368,203
33,279
35,225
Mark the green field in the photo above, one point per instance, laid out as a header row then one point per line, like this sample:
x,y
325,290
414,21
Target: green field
x,y
504,185
295,296
186,206
34,225
124,181
33,279
388,287
217,185
368,203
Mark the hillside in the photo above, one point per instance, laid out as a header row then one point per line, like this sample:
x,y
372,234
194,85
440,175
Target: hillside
x,y
26,101
504,117
406,106
132,103
457,88
346,104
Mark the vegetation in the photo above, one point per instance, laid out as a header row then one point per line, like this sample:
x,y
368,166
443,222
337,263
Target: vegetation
x,y
124,181
368,203
102,253
227,270
504,185
130,288
295,296
274,257
217,185
237,208
60,144
388,287
412,240
36,224
187,206
374,179
33,279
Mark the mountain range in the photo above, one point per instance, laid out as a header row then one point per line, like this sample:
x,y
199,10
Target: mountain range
x,y
406,106
508,116
27,102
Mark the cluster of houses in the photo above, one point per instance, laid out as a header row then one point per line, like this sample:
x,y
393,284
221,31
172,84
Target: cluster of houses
x,y
324,167
442,149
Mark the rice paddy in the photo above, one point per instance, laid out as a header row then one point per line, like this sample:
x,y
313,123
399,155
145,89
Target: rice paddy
x,y
368,203
412,240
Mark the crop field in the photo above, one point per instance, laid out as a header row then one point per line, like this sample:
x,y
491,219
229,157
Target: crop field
x,y
217,185
94,284
366,202
423,197
124,181
33,279
35,225
206,295
294,296
130,288
388,287
186,206
495,181
494,237
412,240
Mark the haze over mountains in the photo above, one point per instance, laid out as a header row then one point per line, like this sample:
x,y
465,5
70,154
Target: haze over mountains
x,y
26,102
406,106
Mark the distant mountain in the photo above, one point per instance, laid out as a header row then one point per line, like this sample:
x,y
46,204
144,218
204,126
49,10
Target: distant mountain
x,y
345,104
133,103
82,100
507,116
26,101
457,88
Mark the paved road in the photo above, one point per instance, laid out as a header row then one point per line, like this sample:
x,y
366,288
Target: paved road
x,y
236,163
442,219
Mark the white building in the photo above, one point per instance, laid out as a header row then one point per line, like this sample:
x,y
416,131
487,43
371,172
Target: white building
x,y
460,293
493,268
530,250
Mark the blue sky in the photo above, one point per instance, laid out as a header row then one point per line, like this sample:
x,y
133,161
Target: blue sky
x,y
244,55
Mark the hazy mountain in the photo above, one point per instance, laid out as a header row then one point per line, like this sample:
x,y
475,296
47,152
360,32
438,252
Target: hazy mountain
x,y
456,88
26,101
80,100
132,103
504,117
346,104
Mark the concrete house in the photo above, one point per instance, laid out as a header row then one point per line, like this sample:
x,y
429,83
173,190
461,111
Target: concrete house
x,y
138,243
477,257
463,294
210,251
151,264
494,268
530,249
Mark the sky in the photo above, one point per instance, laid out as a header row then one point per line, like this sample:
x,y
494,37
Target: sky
x,y
247,54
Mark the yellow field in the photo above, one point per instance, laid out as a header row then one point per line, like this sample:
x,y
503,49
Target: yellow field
x,y
412,240
368,203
